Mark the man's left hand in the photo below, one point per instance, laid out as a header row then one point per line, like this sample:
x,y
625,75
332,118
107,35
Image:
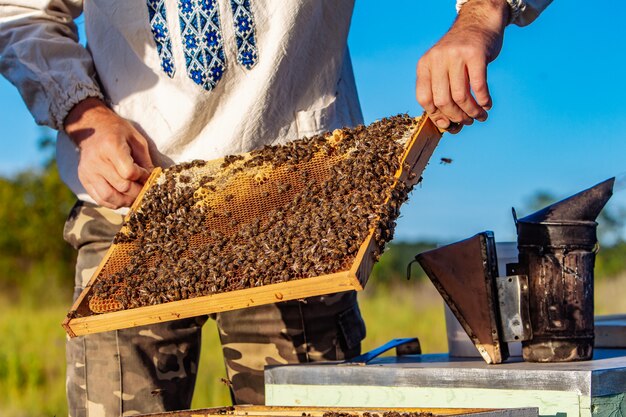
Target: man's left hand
x,y
452,75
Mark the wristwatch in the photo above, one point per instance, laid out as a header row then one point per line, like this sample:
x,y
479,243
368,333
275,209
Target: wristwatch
x,y
516,8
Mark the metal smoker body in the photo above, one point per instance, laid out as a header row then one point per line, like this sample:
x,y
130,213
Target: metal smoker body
x,y
557,253
546,300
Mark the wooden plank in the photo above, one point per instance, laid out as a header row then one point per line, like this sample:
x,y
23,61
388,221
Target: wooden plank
x,y
81,320
421,147
214,303
299,411
361,270
549,403
315,411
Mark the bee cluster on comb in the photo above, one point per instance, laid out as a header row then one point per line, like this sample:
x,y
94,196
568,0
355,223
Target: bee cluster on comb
x,y
281,213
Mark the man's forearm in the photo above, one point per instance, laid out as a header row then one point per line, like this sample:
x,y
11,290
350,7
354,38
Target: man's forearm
x,y
522,12
82,118
41,55
486,19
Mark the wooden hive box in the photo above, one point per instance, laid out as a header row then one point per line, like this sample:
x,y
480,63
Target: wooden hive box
x,y
304,411
238,192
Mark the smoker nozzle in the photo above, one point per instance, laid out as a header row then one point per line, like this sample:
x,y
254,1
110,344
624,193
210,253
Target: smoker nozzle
x,y
584,206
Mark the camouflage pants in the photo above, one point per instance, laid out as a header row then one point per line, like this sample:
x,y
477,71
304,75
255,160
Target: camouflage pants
x,y
153,368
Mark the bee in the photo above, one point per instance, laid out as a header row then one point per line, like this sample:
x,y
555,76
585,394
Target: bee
x,y
283,188
445,161
226,382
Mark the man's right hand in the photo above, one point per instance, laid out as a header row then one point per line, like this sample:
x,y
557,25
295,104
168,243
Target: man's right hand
x,y
114,159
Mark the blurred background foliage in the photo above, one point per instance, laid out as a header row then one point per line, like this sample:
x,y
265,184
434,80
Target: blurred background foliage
x,y
36,284
35,263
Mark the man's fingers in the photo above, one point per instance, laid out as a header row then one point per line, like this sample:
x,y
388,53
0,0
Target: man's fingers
x,y
461,94
133,192
141,154
129,188
440,119
107,187
140,174
143,162
145,173
442,97
424,95
120,184
125,166
105,195
478,81
454,128
423,89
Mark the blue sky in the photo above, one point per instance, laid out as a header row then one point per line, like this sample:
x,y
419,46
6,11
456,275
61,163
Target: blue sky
x,y
559,108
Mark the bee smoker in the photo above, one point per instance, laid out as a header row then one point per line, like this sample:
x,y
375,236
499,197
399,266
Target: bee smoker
x,y
557,252
546,299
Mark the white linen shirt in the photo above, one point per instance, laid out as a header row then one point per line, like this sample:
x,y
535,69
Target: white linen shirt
x,y
300,84
140,60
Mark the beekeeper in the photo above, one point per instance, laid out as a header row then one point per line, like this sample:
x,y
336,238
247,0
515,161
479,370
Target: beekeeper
x,y
165,81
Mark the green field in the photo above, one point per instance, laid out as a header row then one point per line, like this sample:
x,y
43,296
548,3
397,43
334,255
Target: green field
x,y
32,347
32,358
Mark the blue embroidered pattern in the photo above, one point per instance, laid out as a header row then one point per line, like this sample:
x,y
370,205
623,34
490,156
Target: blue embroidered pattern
x,y
247,54
202,41
160,32
202,38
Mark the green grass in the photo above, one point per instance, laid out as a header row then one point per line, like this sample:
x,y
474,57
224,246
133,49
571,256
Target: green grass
x,y
32,358
32,362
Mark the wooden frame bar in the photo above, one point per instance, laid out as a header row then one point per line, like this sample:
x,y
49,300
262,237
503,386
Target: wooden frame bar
x,y
276,411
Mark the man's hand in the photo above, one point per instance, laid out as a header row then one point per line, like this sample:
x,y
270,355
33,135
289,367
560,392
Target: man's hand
x,y
452,75
114,158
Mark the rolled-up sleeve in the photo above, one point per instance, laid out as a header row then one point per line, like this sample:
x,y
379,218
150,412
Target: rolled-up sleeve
x,y
523,12
41,56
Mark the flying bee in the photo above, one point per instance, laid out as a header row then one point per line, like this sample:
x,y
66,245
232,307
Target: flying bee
x,y
445,161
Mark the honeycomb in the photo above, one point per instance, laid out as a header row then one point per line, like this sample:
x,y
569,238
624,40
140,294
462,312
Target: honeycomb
x,y
277,214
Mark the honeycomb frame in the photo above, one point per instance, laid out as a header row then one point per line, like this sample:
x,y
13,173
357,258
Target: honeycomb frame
x,y
81,319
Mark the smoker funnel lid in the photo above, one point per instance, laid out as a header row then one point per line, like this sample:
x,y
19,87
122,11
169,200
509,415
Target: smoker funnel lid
x,y
584,206
464,273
